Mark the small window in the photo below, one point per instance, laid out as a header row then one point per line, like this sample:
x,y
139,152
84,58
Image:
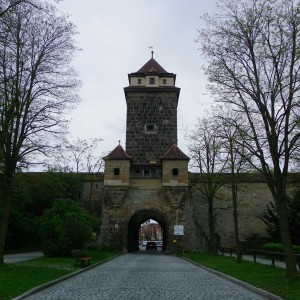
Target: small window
x,y
146,173
150,129
116,171
151,80
139,81
175,172
164,81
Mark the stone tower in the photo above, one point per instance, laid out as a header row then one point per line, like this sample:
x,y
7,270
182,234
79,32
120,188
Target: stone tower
x,y
151,127
149,178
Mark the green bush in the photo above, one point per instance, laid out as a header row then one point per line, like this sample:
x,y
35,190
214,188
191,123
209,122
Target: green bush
x,y
64,227
32,194
277,247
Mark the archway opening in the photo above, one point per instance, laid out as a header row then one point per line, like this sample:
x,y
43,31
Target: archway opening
x,y
150,231
139,218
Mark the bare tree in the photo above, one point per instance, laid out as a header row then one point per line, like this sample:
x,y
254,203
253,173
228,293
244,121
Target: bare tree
x,y
253,51
228,121
37,85
79,153
85,156
207,155
7,5
94,164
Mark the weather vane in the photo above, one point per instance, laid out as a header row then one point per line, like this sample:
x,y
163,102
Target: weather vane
x,y
151,47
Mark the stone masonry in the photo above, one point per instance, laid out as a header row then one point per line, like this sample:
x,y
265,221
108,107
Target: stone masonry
x,y
148,198
151,124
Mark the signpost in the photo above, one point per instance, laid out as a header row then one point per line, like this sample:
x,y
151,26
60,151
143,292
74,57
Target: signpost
x,y
178,230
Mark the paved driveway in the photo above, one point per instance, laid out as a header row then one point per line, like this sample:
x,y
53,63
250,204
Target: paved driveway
x,y
12,258
146,276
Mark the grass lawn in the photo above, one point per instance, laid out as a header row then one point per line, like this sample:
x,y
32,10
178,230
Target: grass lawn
x,y
262,276
17,278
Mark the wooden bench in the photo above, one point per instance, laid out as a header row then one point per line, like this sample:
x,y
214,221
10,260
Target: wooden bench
x,y
81,257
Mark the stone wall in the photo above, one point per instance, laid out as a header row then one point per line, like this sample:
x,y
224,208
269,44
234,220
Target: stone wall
x,y
170,206
252,201
253,198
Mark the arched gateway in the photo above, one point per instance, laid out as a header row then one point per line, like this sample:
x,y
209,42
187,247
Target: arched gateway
x,y
148,179
134,225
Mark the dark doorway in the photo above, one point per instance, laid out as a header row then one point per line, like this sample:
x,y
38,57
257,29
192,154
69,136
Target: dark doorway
x,y
134,225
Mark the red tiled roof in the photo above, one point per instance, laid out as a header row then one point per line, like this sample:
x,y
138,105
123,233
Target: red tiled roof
x,y
152,66
175,153
118,153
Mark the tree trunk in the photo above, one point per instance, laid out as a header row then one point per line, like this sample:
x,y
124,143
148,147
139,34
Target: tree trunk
x,y
212,237
236,223
290,260
5,212
91,188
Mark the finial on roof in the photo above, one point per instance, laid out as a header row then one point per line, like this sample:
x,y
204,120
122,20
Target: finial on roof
x,y
151,47
119,142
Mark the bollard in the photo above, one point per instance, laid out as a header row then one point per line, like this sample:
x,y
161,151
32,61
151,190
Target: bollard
x,y
174,243
254,256
273,259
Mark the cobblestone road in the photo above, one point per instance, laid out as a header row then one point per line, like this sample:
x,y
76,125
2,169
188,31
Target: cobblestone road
x,y
145,276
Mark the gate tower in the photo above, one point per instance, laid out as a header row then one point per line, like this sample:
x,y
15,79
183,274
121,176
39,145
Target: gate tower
x,y
149,179
151,127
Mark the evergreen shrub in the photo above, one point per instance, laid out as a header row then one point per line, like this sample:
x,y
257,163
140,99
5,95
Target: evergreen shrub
x,y
64,227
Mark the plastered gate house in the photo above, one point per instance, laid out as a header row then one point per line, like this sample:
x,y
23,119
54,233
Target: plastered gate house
x,y
150,179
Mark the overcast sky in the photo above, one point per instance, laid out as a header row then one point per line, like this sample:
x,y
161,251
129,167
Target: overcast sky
x,y
115,36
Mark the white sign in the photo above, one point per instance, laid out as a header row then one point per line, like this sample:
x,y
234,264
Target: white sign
x,y
178,230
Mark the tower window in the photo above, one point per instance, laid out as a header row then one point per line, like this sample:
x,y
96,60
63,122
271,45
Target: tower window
x,y
175,172
150,128
139,81
164,81
151,80
116,171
